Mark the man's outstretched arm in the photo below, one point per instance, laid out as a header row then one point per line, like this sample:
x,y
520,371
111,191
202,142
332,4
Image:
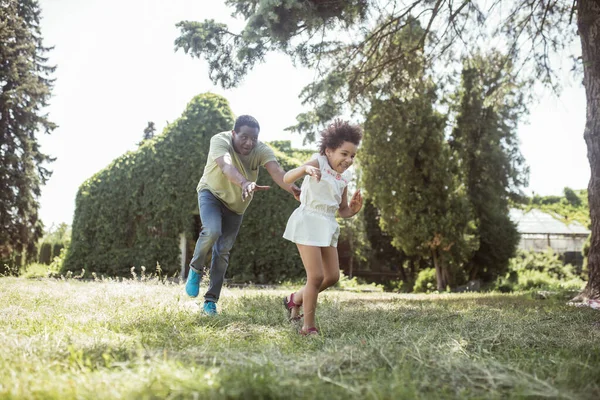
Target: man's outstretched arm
x,y
277,173
236,177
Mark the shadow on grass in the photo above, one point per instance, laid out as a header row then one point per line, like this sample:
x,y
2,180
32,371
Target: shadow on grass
x,y
497,333
242,320
521,300
250,321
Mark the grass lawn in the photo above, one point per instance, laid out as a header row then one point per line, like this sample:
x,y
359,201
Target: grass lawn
x,y
67,339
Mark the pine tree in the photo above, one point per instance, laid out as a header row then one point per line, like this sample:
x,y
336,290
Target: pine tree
x,y
484,139
148,132
408,173
25,86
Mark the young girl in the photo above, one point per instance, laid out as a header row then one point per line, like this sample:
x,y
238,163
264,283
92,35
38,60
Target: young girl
x,y
312,226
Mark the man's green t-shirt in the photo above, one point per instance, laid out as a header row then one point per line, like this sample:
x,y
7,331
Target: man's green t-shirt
x,y
222,188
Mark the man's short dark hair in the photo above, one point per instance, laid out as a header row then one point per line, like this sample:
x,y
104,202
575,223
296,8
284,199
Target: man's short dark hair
x,y
247,120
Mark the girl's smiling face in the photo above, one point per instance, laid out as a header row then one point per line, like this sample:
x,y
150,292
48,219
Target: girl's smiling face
x,y
341,159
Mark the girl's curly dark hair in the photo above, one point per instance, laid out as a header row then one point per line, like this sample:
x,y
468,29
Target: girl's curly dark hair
x,y
337,133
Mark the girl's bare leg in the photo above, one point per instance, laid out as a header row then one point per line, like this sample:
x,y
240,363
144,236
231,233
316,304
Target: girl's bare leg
x,y
331,267
313,264
331,272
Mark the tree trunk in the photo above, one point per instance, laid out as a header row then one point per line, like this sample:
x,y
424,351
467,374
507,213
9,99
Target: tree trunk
x,y
441,271
588,23
403,273
351,265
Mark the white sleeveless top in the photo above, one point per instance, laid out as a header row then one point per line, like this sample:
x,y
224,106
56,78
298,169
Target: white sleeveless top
x,y
313,223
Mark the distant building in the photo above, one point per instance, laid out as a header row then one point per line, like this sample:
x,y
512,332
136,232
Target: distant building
x,y
540,230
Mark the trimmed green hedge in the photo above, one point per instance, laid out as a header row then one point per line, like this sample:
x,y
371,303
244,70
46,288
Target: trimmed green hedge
x,y
132,212
45,255
56,248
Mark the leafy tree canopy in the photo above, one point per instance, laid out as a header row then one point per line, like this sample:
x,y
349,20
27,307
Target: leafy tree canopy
x,y
25,87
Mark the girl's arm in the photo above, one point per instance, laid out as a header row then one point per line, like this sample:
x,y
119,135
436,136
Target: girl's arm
x,y
277,173
347,211
310,168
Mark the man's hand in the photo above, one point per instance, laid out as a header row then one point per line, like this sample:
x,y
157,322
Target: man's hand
x,y
356,202
250,187
296,192
314,172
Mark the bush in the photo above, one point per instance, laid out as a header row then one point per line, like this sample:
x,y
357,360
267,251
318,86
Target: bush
x,y
9,267
39,270
353,284
531,279
133,212
545,200
35,270
45,255
547,262
57,249
535,270
399,286
57,262
572,197
426,281
585,252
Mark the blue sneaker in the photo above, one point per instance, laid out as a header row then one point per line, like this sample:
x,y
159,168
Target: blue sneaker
x,y
210,308
192,286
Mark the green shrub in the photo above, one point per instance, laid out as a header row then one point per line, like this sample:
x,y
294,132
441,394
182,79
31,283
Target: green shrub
x,y
9,267
353,284
35,270
547,262
585,252
572,197
39,270
426,281
57,262
399,286
133,212
57,249
532,279
45,255
538,270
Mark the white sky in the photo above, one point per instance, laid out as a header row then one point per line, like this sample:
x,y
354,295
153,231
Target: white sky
x,y
117,70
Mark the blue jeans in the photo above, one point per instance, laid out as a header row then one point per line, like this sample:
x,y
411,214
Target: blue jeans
x,y
220,227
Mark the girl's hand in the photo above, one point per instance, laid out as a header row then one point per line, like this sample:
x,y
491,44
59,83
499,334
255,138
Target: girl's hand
x,y
314,172
356,202
296,192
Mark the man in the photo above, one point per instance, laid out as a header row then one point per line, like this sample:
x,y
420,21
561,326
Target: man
x,y
224,192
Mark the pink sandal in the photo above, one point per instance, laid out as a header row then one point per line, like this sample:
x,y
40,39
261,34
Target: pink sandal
x,y
309,331
289,305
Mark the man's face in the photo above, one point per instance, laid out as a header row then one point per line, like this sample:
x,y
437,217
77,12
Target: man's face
x,y
245,140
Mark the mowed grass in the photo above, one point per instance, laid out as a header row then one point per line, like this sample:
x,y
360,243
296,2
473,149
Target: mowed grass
x,y
67,339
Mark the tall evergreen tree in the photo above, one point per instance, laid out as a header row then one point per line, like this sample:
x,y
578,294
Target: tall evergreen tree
x,y
408,173
149,131
25,86
484,140
384,255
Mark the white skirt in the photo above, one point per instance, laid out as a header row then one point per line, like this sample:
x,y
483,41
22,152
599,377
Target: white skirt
x,y
312,228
